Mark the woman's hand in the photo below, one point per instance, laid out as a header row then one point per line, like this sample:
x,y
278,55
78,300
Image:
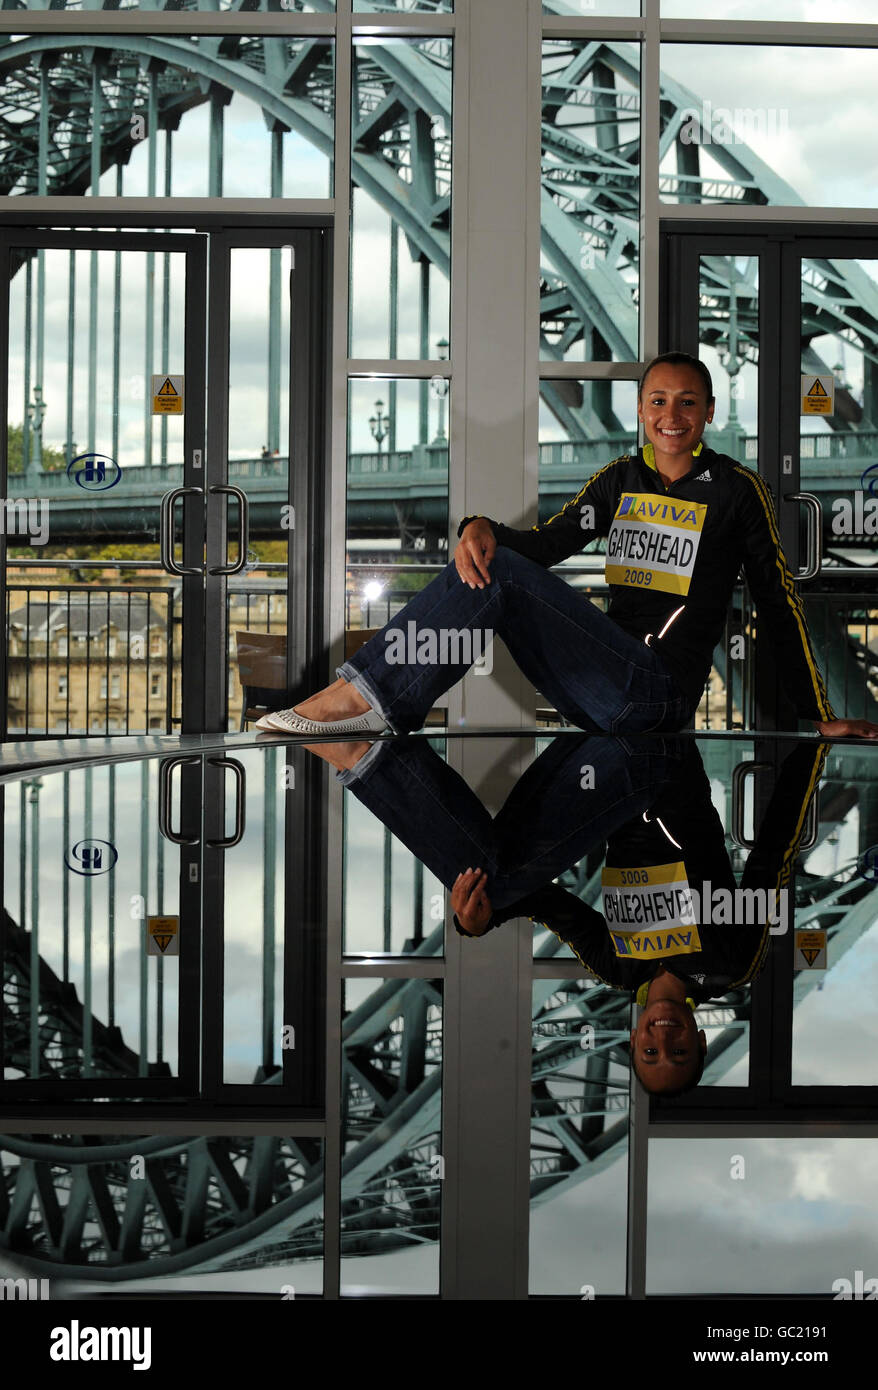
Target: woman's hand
x,y
474,553
845,728
470,902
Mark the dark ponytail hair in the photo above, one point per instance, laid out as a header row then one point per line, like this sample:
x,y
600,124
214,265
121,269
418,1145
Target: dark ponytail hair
x,y
678,359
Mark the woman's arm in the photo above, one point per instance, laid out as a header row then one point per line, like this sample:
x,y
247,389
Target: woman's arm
x,y
580,520
779,607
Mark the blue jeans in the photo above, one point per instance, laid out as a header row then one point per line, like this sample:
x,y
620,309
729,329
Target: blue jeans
x,y
593,673
549,821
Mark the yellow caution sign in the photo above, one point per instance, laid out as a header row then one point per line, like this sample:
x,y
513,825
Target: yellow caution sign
x,y
818,394
163,936
810,950
167,395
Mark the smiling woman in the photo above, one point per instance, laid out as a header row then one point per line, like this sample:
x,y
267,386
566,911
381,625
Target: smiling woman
x,y
681,521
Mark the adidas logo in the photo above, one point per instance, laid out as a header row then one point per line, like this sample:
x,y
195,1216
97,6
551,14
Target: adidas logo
x,y
704,477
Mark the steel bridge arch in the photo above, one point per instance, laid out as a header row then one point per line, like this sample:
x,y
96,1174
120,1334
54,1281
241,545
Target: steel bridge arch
x,y
589,197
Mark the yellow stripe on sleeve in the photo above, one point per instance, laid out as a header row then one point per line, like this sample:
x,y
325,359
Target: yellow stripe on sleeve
x,y
789,588
573,500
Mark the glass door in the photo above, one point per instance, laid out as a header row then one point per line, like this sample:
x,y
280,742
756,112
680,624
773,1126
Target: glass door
x,y
266,494
103,471
831,432
787,322
112,987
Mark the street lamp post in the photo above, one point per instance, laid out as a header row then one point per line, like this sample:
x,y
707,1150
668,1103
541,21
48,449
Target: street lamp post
x,y
442,391
379,424
35,412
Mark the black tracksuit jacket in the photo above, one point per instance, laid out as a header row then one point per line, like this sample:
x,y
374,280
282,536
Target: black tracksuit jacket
x,y
730,955
738,527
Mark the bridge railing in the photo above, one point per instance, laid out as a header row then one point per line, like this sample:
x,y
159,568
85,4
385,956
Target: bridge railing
x,y
583,455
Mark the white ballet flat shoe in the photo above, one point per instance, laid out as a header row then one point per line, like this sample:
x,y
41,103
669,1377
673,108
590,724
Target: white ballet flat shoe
x,y
286,721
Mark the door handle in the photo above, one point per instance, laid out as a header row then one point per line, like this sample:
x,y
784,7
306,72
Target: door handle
x,y
228,841
244,536
812,822
166,530
739,777
166,769
813,533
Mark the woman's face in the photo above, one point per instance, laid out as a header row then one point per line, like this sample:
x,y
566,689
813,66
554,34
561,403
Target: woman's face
x,y
674,409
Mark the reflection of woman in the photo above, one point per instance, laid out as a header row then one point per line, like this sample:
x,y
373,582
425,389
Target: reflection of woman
x,y
650,801
671,966
680,522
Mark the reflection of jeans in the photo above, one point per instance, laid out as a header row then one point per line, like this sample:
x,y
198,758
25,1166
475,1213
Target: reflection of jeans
x,y
594,673
548,822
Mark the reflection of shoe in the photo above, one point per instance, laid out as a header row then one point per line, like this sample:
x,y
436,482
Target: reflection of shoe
x,y
286,721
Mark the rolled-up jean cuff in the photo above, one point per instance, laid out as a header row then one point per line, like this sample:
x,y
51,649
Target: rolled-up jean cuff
x,y
352,774
367,690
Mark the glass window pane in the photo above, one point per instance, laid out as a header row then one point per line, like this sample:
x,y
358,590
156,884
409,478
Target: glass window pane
x,y
397,496
728,345
590,201
721,142
591,7
834,1029
87,385
584,425
395,6
393,903
236,116
761,1216
271,6
87,331
838,451
258,453
579,1139
84,867
782,11
253,926
391,1195
401,198
63,636
188,1203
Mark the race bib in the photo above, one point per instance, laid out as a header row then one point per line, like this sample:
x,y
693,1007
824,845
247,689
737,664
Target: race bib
x,y
649,912
653,542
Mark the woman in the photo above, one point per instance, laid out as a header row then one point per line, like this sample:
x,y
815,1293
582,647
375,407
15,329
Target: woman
x,y
680,521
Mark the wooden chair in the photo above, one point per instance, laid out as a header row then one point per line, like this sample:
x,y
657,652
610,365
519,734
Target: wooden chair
x,y
355,638
262,668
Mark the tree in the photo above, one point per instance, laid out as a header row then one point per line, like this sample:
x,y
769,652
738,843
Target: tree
x,y
53,459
